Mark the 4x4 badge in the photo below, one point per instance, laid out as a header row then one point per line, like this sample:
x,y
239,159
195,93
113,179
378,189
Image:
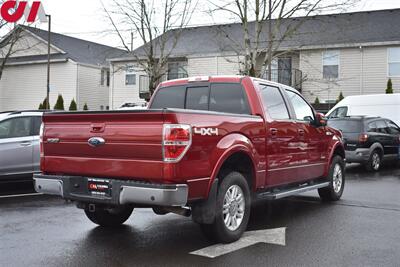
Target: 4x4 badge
x,y
206,131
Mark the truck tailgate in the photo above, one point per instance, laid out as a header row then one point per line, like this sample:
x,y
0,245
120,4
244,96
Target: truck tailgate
x,y
132,147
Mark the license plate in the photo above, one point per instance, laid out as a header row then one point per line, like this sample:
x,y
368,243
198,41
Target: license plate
x,y
99,187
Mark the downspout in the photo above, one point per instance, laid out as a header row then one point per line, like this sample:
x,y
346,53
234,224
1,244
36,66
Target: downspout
x,y
111,100
361,70
77,86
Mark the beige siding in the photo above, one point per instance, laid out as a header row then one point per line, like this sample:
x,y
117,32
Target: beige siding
x,y
119,92
90,89
24,87
211,66
361,71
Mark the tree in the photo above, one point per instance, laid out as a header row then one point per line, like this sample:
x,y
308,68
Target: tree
x,y
259,46
316,102
73,106
389,87
85,107
159,26
59,103
44,104
340,97
41,106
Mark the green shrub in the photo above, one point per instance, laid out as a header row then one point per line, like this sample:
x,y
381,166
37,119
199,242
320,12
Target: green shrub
x,y
85,107
316,101
60,103
389,87
340,97
73,106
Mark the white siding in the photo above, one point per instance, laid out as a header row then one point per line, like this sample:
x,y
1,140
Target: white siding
x,y
24,86
119,92
361,71
27,45
90,89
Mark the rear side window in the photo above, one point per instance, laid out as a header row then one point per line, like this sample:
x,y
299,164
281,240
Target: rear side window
x,y
229,98
274,103
37,121
338,113
382,127
346,126
170,97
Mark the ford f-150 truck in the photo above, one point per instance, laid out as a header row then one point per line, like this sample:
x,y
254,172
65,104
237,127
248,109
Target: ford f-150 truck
x,y
206,147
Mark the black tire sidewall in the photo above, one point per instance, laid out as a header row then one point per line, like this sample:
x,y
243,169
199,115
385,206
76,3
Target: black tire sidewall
x,y
223,234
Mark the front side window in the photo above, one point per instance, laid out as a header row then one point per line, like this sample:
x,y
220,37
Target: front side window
x,y
394,61
16,127
303,111
130,76
273,102
330,62
393,128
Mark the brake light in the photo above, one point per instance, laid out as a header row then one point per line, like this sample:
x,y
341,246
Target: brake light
x,y
199,79
363,138
177,139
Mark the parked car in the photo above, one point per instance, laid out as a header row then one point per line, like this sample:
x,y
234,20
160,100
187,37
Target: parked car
x,y
133,106
204,147
381,105
19,144
369,140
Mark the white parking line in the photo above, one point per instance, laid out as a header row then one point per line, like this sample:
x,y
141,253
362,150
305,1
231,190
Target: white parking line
x,y
22,195
275,236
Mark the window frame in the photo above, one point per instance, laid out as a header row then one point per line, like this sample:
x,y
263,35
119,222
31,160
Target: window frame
x,y
391,62
322,60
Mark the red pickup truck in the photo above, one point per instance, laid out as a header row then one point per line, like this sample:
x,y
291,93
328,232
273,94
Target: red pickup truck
x,y
205,147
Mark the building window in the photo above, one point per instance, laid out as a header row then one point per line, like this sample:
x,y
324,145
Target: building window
x,y
105,77
108,78
130,76
143,84
394,61
177,70
330,62
102,77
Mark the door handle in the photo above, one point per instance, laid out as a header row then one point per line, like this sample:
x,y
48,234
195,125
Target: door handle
x,y
301,132
26,143
97,127
273,131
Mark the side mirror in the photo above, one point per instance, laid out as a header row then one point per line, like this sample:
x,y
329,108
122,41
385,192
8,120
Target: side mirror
x,y
320,120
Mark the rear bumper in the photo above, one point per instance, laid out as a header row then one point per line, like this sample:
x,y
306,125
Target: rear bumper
x,y
360,155
122,192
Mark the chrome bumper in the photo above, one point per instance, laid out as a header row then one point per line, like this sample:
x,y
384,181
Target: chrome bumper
x,y
123,192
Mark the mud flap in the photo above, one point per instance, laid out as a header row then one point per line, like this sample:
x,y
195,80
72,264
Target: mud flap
x,y
204,212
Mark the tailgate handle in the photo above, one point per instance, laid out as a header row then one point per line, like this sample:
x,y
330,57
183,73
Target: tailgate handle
x,y
97,128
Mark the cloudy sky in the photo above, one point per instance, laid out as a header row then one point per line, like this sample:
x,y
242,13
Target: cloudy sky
x,y
85,18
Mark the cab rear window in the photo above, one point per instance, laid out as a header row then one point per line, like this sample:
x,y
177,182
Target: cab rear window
x,y
221,97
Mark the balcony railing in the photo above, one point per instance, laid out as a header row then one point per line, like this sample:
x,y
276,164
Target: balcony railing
x,y
290,77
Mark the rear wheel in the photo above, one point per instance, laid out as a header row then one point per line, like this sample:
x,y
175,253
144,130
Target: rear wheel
x,y
336,178
232,210
109,217
375,161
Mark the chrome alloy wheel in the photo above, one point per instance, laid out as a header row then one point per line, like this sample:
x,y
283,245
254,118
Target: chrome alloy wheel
x,y
234,206
337,178
376,161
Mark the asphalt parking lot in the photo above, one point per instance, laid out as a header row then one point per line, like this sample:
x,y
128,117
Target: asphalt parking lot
x,y
360,230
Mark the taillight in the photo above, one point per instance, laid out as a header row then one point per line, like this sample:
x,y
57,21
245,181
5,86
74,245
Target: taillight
x,y
362,138
177,139
41,147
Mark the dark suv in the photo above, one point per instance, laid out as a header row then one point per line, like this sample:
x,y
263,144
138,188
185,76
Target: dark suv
x,y
369,140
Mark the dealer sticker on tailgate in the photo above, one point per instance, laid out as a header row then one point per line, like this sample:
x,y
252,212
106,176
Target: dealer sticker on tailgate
x,y
99,187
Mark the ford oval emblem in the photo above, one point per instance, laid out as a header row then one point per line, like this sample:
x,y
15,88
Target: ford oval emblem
x,y
96,141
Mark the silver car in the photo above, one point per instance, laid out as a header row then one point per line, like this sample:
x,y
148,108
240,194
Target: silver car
x,y
19,144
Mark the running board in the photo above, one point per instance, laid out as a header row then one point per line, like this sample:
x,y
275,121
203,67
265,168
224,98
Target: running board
x,y
291,191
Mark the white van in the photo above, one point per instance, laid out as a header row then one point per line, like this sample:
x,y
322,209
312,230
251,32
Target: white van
x,y
380,105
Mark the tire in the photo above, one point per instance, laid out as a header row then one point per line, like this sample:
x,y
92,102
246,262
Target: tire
x,y
238,210
109,217
336,179
375,161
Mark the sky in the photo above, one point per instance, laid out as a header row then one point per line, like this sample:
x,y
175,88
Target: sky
x,y
86,19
